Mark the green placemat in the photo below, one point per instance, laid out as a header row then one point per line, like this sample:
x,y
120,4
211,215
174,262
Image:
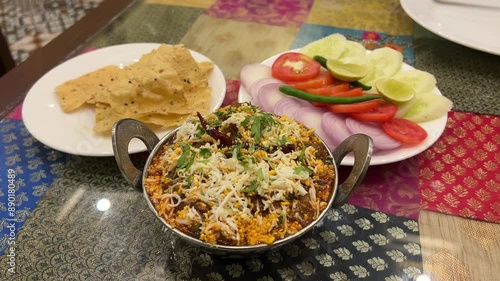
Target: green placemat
x,y
148,23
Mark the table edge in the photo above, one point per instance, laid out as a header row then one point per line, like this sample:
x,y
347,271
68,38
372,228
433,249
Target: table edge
x,y
16,83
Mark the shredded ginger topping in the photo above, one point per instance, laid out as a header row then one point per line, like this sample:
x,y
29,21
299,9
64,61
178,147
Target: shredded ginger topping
x,y
272,180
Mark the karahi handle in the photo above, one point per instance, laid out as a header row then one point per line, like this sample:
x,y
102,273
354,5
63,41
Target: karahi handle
x,y
362,147
122,133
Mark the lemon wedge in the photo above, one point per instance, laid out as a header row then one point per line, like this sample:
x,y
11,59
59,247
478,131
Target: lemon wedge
x,y
346,71
394,91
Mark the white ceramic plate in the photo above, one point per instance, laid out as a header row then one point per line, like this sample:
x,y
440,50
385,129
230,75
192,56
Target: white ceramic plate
x,y
473,27
434,130
72,133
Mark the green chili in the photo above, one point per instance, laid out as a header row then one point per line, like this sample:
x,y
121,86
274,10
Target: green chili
x,y
321,60
291,91
359,84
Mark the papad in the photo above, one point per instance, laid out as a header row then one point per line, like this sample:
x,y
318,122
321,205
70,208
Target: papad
x,y
163,88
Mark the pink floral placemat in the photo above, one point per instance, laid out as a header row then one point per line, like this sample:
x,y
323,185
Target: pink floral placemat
x,y
390,188
460,174
289,13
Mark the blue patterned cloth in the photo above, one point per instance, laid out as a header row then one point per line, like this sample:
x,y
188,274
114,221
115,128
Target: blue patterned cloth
x,y
352,243
27,168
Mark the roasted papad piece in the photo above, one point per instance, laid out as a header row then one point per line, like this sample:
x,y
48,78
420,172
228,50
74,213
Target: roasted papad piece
x,y
162,88
74,93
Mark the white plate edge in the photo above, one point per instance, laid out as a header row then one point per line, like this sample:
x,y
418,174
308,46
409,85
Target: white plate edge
x,y
459,39
30,101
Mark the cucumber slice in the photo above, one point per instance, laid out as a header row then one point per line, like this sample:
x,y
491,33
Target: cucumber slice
x,y
425,107
353,49
387,61
420,81
369,79
330,47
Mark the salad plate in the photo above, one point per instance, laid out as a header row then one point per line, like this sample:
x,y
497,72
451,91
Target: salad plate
x,y
72,132
434,128
468,25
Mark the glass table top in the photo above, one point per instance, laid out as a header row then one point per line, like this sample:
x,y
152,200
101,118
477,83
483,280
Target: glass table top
x,y
433,216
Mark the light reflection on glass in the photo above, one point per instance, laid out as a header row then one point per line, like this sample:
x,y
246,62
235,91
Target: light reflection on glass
x,y
423,277
103,204
70,204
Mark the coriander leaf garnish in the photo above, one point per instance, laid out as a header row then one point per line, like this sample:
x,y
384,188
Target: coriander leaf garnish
x,y
200,131
251,188
251,148
237,150
282,140
260,175
300,169
246,161
205,152
187,157
258,124
302,154
255,185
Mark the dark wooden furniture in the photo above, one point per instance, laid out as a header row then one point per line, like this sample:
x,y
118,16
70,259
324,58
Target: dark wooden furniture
x,y
16,83
6,60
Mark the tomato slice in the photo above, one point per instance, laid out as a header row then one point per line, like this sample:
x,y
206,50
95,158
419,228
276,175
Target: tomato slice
x,y
322,80
329,90
295,67
341,90
353,92
404,130
354,107
383,112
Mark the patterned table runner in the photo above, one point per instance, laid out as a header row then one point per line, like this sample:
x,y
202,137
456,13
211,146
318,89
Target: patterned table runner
x,y
67,237
459,174
383,211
